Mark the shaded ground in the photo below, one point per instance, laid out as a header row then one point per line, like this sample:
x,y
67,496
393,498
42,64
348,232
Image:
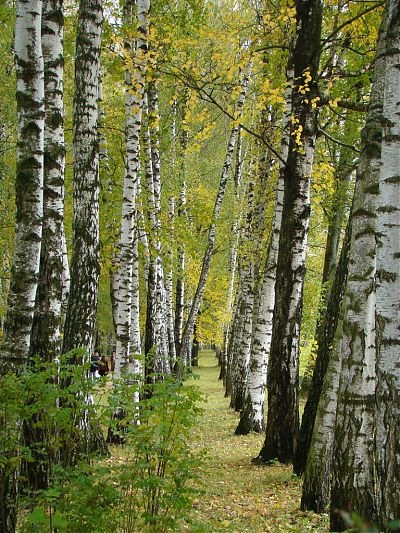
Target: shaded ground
x,y
239,496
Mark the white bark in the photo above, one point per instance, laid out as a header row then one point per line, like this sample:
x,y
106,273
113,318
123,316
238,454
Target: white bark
x,y
388,287
156,323
180,267
29,185
66,278
134,96
252,416
353,475
46,339
169,283
80,322
245,310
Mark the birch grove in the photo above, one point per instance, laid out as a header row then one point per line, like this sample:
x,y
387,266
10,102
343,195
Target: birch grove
x,y
175,181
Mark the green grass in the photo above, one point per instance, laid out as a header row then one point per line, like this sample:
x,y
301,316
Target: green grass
x,y
239,496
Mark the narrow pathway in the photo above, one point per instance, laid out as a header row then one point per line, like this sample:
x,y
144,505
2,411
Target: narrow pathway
x,y
239,496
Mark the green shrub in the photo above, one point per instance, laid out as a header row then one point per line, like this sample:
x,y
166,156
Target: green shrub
x,y
148,486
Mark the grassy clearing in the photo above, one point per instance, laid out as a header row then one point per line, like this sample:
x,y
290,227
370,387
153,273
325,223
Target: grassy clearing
x,y
239,496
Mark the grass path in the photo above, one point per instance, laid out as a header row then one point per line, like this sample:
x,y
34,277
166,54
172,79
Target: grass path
x,y
239,496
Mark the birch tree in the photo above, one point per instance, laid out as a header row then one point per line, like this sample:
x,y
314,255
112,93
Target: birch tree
x,y
156,336
387,394
134,95
283,417
327,322
29,186
80,321
353,466
252,414
29,203
46,339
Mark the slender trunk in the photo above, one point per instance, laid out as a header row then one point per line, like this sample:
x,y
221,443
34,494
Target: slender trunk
x,y
66,279
80,321
156,339
233,255
245,310
169,284
103,150
181,252
113,277
353,476
135,318
134,96
316,486
198,297
325,330
283,416
252,414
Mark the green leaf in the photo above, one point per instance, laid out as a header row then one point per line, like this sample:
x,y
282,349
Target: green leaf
x,y
38,517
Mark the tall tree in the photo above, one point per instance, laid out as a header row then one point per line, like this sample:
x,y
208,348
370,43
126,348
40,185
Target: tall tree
x,y
283,416
353,479
46,339
29,185
387,394
156,338
135,73
46,329
252,414
29,202
80,320
326,326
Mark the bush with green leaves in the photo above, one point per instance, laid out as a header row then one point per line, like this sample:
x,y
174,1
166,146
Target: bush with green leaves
x,y
159,468
147,485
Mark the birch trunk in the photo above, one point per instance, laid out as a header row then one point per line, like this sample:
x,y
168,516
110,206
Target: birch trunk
x,y
29,203
80,321
135,319
387,395
283,416
29,186
66,279
353,466
246,305
252,415
156,340
169,284
316,486
325,330
233,255
180,268
134,95
198,297
46,339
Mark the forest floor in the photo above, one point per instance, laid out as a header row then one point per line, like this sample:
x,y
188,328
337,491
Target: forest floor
x,y
239,496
